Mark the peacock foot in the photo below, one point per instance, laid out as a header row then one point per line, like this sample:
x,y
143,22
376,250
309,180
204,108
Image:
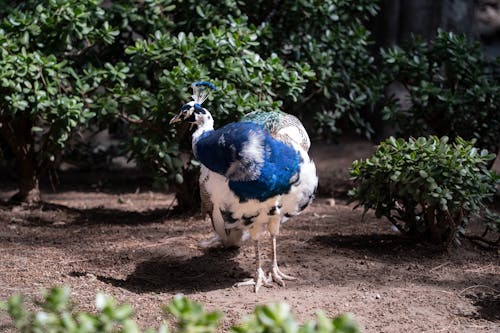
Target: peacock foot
x,y
212,242
278,276
260,280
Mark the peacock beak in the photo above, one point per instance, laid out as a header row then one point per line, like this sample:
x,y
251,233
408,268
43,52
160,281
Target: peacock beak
x,y
176,119
186,111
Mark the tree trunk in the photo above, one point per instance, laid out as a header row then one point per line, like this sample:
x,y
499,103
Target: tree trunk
x,y
28,183
17,133
398,20
188,193
459,16
387,23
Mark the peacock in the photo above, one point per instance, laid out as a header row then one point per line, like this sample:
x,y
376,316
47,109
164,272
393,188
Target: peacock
x,y
255,175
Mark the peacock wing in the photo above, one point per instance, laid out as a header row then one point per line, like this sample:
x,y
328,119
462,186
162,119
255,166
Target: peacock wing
x,y
282,126
256,165
236,151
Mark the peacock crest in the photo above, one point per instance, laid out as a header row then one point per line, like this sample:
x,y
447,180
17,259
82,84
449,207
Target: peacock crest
x,y
201,90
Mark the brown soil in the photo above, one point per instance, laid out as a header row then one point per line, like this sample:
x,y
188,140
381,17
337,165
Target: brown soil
x,y
127,244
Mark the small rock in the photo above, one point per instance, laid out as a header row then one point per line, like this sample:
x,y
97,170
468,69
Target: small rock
x,y
330,202
377,296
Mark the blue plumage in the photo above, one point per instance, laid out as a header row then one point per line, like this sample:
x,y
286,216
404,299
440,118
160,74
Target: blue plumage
x,y
218,149
256,165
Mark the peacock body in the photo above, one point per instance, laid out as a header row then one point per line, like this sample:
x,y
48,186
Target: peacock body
x,y
255,175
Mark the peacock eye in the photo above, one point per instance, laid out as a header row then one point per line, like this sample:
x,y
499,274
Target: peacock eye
x,y
187,111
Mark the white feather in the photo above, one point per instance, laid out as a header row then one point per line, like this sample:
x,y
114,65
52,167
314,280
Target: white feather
x,y
200,93
295,134
252,157
301,193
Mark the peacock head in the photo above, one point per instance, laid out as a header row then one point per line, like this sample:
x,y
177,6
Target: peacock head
x,y
193,112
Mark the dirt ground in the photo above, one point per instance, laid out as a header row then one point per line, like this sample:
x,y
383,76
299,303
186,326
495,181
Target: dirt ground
x,y
124,241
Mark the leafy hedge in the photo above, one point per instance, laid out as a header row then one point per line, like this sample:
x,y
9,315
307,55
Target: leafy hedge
x,y
454,89
55,314
130,63
426,187
331,36
47,82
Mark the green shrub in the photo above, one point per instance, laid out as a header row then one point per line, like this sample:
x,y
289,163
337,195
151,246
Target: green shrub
x,y
426,187
56,314
454,91
331,36
48,80
276,318
333,40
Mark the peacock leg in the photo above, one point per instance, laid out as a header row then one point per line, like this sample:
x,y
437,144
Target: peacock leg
x,y
260,277
276,274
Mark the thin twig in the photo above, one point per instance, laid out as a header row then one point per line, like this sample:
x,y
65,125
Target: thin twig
x,y
483,269
168,240
440,266
195,276
478,286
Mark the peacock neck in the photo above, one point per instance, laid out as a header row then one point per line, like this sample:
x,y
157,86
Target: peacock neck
x,y
206,126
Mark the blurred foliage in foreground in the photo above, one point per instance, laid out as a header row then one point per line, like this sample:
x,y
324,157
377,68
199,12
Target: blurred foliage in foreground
x,y
55,314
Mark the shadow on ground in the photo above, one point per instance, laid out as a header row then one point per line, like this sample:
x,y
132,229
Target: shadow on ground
x,y
120,217
43,215
213,270
380,245
487,305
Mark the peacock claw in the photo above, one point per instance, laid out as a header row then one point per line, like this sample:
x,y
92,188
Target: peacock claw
x,y
212,242
278,276
259,281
